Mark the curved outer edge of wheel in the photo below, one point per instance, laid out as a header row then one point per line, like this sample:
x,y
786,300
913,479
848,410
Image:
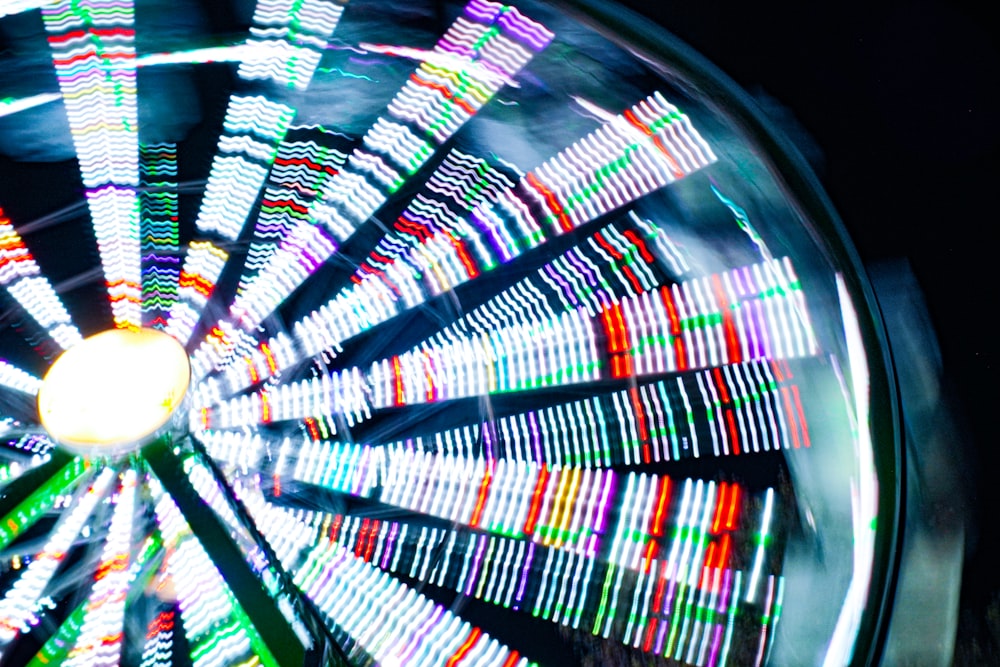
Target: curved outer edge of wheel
x,y
681,63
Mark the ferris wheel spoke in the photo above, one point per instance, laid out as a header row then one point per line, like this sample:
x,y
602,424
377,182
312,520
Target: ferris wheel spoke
x,y
102,630
373,615
93,51
671,587
748,314
142,567
24,282
19,607
28,497
159,231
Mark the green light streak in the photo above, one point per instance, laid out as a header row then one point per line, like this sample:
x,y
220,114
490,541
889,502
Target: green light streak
x,y
40,501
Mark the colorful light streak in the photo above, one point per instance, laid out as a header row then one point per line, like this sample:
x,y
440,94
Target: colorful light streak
x,y
11,105
93,52
288,40
18,607
159,232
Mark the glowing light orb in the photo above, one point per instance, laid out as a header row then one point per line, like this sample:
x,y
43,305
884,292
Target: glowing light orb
x,y
114,391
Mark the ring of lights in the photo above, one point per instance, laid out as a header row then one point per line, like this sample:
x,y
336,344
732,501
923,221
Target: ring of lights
x,y
548,348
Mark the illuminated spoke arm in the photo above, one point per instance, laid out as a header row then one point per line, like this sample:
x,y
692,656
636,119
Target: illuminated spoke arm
x,y
643,149
21,277
94,56
102,630
141,569
26,499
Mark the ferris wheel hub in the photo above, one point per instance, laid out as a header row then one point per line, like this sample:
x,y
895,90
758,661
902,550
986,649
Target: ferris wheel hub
x,y
114,391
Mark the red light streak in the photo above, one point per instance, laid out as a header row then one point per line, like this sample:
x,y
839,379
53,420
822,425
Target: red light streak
x,y
640,417
313,431
731,512
397,374
463,256
717,520
733,435
674,167
484,489
372,535
512,659
721,385
660,515
651,550
639,244
362,535
338,521
728,325
791,418
271,365
429,376
618,351
198,283
536,500
801,414
252,370
464,648
564,222
445,93
636,285
265,408
675,328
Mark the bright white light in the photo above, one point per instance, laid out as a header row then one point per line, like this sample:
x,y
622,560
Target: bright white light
x,y
114,390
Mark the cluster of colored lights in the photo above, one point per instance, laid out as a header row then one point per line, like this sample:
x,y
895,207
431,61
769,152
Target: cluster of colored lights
x,y
18,609
299,171
93,52
729,411
435,246
160,242
661,576
395,624
21,277
158,650
432,249
100,639
213,621
751,313
485,48
288,39
202,266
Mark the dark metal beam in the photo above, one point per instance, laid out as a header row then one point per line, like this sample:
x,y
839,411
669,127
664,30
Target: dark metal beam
x,y
276,640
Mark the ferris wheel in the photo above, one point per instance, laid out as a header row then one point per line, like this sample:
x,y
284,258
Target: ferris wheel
x,y
423,333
